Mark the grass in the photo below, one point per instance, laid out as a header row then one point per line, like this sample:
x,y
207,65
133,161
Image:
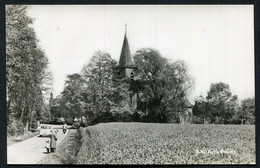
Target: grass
x,y
66,150
148,143
15,139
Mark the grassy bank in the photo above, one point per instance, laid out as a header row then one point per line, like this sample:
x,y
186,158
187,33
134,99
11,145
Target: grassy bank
x,y
148,143
66,150
15,139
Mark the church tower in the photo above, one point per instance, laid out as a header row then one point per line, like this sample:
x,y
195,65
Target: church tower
x,y
125,68
125,71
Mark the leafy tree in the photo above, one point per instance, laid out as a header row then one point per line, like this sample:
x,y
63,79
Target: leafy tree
x,y
221,107
71,98
166,84
51,103
119,101
98,74
57,109
200,110
222,104
150,66
246,112
26,68
45,114
177,84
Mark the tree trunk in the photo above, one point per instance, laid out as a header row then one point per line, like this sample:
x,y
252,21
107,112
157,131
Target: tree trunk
x,y
26,126
23,110
32,113
31,120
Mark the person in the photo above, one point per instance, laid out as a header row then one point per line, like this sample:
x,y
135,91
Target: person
x,y
64,127
53,139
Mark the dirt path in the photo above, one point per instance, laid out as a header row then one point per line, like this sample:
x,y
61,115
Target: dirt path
x,y
31,150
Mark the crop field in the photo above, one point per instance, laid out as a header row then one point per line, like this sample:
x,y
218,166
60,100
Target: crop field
x,y
150,143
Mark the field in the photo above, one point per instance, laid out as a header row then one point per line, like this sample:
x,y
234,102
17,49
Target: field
x,y
148,143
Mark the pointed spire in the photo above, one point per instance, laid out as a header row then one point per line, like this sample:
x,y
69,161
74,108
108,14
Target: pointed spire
x,y
125,29
125,56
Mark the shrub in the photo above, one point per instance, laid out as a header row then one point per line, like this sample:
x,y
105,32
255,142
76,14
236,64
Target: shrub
x,y
69,121
34,125
76,125
54,122
11,129
15,128
82,124
123,117
197,120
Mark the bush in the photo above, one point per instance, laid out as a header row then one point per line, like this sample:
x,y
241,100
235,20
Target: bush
x,y
83,124
69,121
34,130
15,128
197,120
76,125
11,130
54,122
34,125
102,118
123,117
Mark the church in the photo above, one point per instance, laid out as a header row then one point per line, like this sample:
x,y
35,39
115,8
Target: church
x,y
125,67
126,70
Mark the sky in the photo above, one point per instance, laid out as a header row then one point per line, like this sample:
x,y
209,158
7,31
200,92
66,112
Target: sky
x,y
216,41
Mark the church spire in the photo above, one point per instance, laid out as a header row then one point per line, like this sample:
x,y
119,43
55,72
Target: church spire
x,y
125,29
125,56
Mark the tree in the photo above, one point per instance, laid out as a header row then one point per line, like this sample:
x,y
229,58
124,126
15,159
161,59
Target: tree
x,y
71,97
51,103
45,114
246,112
119,101
26,68
98,74
222,104
177,85
167,84
150,66
200,110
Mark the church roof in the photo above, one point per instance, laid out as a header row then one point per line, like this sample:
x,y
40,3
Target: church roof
x,y
187,103
125,56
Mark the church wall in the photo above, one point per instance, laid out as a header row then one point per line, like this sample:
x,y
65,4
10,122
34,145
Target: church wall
x,y
122,73
119,73
128,72
134,101
185,117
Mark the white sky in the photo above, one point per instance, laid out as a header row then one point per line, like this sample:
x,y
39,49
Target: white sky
x,y
217,42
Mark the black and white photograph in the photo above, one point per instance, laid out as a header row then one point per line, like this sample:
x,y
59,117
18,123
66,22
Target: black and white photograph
x,y
130,84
